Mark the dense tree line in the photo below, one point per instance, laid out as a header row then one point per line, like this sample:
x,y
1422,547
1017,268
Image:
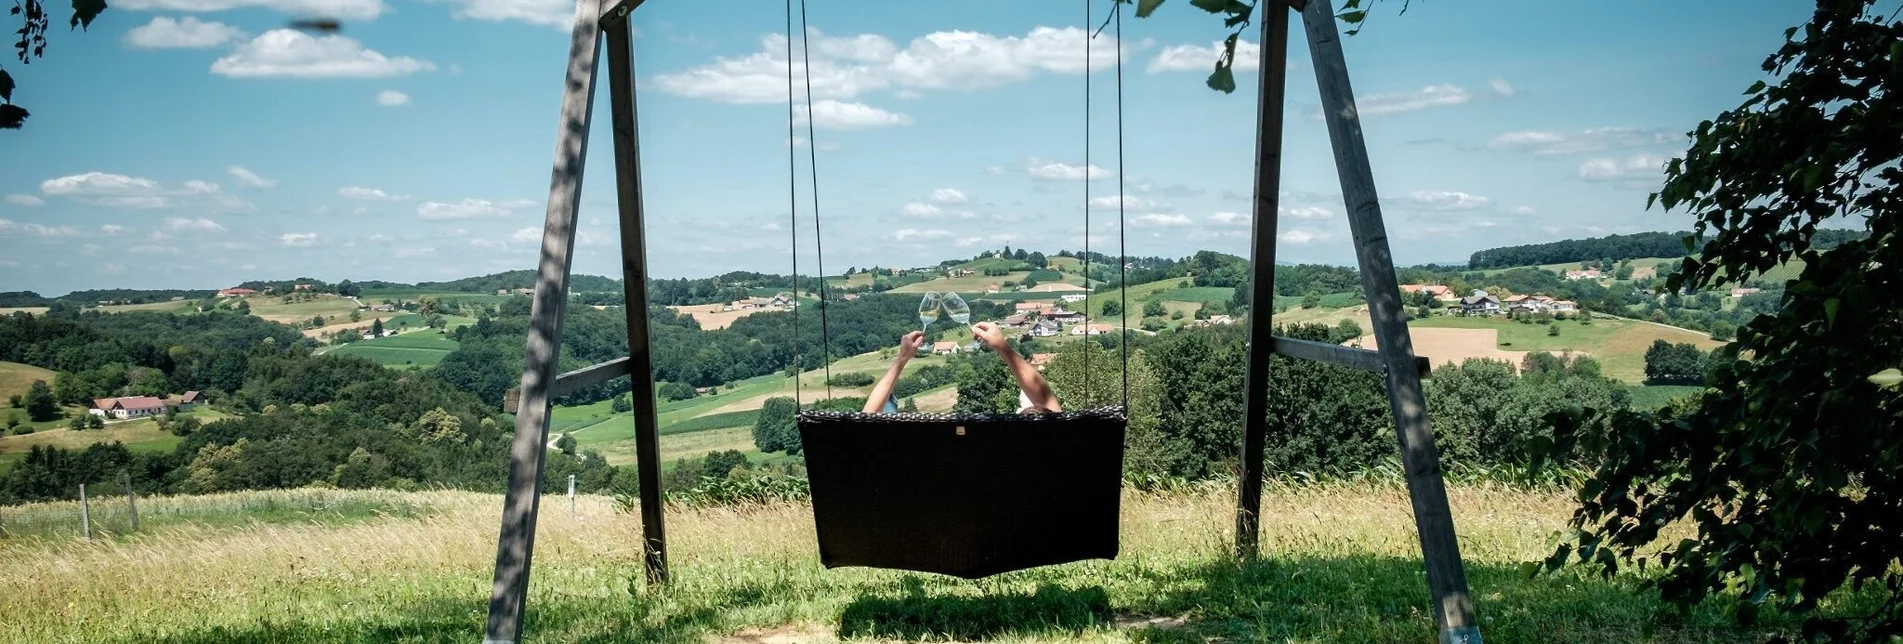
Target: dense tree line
x,y
1612,247
300,419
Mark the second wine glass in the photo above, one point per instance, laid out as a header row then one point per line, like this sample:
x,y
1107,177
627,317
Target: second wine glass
x,y
955,307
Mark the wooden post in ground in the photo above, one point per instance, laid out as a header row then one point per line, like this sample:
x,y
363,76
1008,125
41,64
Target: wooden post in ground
x,y
1268,181
516,545
85,514
571,496
132,499
634,286
1446,579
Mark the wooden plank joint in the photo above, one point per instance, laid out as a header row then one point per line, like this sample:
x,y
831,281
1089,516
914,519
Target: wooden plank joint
x,y
1335,354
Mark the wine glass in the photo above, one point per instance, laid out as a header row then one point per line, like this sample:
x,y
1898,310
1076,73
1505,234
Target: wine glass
x,y
928,310
956,307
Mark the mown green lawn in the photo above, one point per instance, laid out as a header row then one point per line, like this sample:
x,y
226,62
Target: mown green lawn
x,y
406,351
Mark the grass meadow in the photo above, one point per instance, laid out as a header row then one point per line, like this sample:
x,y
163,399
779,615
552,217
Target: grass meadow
x,y
406,351
1340,564
1618,344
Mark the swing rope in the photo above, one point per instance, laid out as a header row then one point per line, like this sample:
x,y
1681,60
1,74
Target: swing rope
x,y
792,202
1123,254
819,240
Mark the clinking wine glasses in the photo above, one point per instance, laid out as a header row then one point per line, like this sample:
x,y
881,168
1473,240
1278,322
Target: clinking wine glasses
x,y
955,307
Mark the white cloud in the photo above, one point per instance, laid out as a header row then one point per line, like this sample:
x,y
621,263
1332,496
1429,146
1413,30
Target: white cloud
x,y
844,68
183,33
1501,86
907,95
291,53
546,13
1228,219
198,224
949,195
1396,102
1299,236
1183,58
392,98
1110,202
465,209
917,209
25,200
1312,212
1055,171
250,178
111,229
835,115
298,240
340,9
1640,170
526,236
1161,220
9,227
914,234
369,194
1588,140
121,191
414,251
1447,200
1523,209
994,170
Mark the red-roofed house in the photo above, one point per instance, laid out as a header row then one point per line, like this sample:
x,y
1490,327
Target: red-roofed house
x,y
945,348
127,407
236,292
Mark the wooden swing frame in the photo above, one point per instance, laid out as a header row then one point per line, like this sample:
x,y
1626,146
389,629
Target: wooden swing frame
x,y
609,20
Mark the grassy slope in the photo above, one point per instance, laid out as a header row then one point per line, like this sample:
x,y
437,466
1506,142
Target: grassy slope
x,y
142,435
1657,396
1341,564
410,350
1619,345
16,378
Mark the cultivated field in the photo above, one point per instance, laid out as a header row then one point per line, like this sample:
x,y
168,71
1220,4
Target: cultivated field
x,y
1341,564
1618,344
710,316
141,435
413,350
1443,346
30,310
277,309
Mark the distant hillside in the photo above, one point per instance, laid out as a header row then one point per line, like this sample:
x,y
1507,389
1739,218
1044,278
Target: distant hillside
x,y
1619,247
516,279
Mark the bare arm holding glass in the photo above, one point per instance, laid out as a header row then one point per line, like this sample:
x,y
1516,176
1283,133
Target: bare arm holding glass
x,y
1036,390
881,392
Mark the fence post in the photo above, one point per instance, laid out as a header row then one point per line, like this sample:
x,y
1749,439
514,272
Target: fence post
x,y
85,516
571,496
132,500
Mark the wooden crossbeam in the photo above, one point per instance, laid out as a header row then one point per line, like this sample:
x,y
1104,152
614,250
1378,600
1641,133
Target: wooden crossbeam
x,y
572,382
1335,354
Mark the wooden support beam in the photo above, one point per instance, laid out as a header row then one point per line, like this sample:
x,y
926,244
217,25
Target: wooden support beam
x,y
1335,354
616,10
516,545
1446,579
572,382
1271,101
634,287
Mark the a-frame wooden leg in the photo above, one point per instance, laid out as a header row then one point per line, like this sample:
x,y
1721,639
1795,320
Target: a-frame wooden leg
x,y
1271,99
1446,578
541,359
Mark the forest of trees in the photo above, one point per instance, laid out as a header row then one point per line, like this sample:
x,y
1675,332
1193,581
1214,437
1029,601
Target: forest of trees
x,y
1610,247
302,419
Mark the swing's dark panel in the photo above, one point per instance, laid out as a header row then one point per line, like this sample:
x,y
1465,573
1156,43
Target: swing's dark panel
x,y
966,495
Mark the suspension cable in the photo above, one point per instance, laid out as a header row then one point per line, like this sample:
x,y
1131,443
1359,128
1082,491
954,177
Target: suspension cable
x,y
1086,335
819,242
792,202
1123,259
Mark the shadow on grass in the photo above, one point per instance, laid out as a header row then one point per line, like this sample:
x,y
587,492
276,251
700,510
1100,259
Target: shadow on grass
x,y
1314,599
917,614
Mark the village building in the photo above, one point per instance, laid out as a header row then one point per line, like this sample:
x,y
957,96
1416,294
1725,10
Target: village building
x,y
1014,320
946,348
1563,306
1584,274
1437,291
1045,329
236,292
1741,291
128,407
1028,306
1480,303
1072,297
1090,329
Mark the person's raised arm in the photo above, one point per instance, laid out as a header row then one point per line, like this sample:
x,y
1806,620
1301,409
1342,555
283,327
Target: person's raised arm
x,y
1029,380
908,347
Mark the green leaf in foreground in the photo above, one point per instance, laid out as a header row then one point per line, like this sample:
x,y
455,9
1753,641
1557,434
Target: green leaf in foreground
x,y
1887,378
1146,7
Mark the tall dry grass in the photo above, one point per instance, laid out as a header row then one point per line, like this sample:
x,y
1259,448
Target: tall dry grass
x,y
1341,564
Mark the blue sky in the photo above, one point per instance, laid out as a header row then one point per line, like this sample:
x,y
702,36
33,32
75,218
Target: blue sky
x,y
197,143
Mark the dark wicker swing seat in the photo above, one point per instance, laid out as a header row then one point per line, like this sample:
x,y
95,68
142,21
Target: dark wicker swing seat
x,y
966,495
